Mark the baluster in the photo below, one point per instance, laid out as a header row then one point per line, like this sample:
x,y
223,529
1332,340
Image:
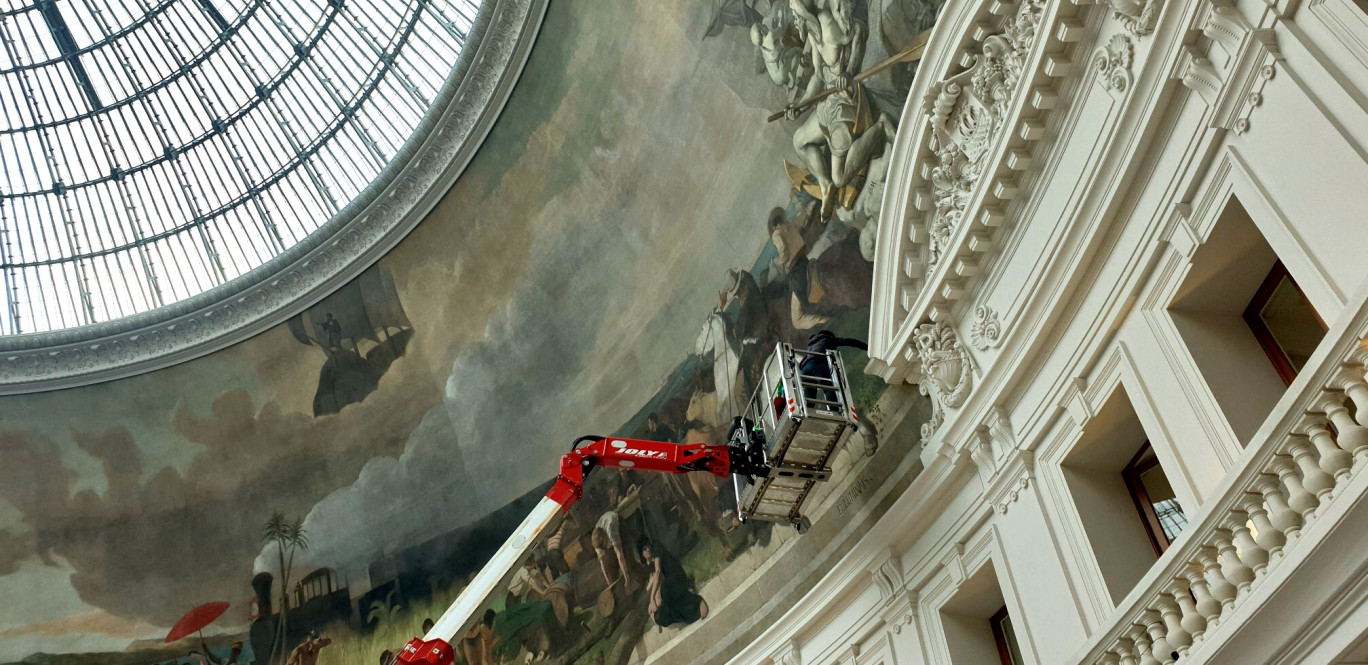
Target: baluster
x,y
1125,651
1108,658
1333,461
1354,386
1206,604
1144,651
1314,479
1298,498
1353,437
1283,518
1268,537
1192,622
1234,570
1178,637
1250,553
1159,645
1221,588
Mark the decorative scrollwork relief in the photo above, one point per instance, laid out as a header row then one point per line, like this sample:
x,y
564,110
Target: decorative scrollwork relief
x,y
966,114
1113,64
986,329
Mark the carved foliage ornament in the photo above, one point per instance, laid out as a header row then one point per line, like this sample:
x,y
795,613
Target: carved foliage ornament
x,y
1113,64
946,368
966,113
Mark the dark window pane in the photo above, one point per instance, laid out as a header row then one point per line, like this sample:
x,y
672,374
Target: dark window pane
x,y
1292,323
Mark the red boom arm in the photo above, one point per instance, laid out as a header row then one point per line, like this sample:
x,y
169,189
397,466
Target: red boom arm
x,y
635,454
569,487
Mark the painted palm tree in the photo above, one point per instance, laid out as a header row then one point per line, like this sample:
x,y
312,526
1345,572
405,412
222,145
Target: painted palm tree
x,y
289,537
383,613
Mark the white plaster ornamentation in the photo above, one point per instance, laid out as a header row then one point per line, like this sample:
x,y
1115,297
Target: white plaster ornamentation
x,y
947,371
986,329
1022,484
790,654
1016,473
1113,64
887,576
993,442
1254,98
932,423
946,368
1138,16
966,114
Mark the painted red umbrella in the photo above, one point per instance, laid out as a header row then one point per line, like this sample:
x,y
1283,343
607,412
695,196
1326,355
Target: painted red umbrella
x,y
195,620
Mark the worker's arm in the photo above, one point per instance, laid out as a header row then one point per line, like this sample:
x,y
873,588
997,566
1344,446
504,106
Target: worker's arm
x,y
849,341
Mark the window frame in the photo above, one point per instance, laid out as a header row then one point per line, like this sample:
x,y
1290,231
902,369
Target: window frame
x,y
1000,636
1135,485
1262,334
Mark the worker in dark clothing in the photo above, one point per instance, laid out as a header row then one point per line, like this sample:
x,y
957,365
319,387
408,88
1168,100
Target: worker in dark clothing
x,y
818,367
821,342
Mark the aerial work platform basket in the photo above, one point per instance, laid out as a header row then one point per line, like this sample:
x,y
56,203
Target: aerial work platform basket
x,y
799,415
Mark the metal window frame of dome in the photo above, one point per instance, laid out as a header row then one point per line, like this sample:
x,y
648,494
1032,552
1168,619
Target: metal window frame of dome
x,y
486,71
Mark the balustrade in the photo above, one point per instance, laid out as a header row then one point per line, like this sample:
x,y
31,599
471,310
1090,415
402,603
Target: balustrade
x,y
1290,481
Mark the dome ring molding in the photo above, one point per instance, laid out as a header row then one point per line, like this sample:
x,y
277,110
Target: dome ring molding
x,y
342,248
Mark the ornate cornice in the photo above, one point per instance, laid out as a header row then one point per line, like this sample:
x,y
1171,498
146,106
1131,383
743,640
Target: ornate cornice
x,y
958,163
341,249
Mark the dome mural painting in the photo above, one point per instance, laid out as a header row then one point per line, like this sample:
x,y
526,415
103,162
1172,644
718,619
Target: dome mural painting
x,y
386,440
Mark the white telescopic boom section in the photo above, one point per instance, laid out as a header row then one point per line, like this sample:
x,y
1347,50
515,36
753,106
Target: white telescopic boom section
x,y
460,617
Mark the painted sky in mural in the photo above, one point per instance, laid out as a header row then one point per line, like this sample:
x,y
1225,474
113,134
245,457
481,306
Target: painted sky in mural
x,y
563,287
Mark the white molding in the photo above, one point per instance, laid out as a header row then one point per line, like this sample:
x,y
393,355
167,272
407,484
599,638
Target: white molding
x,y
469,103
904,294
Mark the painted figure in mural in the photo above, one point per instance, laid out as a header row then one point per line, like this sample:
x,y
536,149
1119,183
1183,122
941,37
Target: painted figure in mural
x,y
742,301
672,599
530,614
478,644
307,653
780,50
606,539
658,431
863,215
822,266
837,140
716,340
738,13
207,657
332,328
555,554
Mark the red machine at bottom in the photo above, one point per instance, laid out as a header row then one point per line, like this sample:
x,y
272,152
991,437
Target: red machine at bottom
x,y
744,456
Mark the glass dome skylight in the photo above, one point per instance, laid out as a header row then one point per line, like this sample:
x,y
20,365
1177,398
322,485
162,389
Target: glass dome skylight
x,y
154,149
